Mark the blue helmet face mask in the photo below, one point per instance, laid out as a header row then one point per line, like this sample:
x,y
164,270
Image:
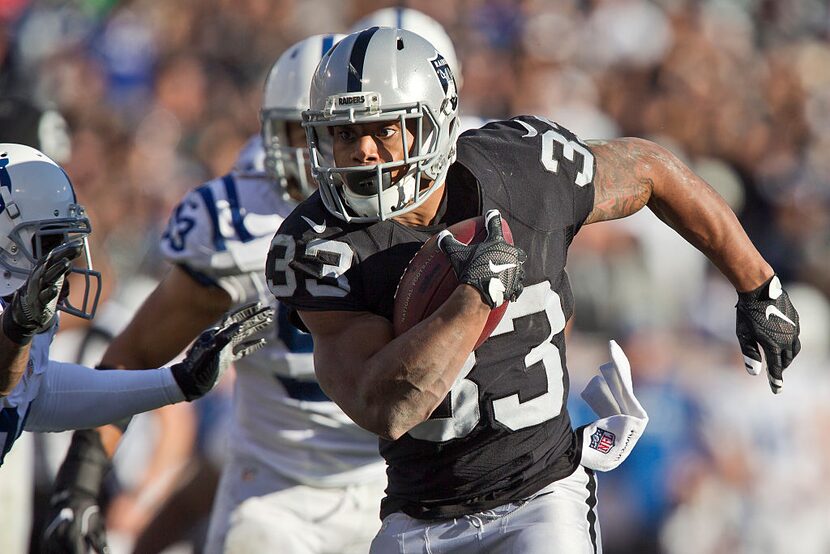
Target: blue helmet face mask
x,y
50,236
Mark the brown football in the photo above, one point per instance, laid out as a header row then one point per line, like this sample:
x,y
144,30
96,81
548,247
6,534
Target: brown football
x,y
429,279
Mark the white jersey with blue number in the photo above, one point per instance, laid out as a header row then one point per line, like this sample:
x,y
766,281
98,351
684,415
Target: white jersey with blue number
x,y
14,408
220,234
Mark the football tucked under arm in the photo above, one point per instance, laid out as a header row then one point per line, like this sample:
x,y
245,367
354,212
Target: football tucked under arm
x,y
432,275
608,441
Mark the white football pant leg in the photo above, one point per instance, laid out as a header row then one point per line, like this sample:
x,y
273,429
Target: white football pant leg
x,y
257,511
559,519
16,485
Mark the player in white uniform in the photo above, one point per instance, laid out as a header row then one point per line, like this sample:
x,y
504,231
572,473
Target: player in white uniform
x,y
300,476
44,230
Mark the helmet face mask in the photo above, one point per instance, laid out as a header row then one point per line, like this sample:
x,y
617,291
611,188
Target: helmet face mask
x,y
38,213
284,99
286,165
403,183
418,92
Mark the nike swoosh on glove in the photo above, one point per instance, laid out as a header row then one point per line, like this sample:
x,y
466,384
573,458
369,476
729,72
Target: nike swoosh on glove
x,y
492,266
608,441
766,317
216,348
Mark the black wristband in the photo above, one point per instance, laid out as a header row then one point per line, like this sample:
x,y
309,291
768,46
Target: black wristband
x,y
186,383
13,331
85,464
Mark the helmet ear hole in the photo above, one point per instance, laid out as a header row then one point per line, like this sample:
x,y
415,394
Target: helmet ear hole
x,y
400,44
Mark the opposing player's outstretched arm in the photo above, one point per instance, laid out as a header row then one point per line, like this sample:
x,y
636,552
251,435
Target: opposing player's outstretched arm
x,y
168,320
632,173
172,316
389,384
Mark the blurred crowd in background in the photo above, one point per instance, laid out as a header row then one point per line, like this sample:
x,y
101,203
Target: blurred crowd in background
x,y
151,98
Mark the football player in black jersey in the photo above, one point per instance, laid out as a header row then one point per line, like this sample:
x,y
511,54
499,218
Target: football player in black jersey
x,y
480,450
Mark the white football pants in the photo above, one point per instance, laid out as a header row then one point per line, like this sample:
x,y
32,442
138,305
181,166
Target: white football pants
x,y
559,519
258,511
16,485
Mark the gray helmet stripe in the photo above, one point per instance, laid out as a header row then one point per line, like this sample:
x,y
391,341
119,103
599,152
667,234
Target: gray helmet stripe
x,y
358,56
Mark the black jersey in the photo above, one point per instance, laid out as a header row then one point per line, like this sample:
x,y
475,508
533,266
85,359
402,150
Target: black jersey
x,y
503,432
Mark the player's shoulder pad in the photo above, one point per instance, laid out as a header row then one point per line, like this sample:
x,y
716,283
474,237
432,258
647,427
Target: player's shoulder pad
x,y
310,258
221,215
533,141
537,167
497,132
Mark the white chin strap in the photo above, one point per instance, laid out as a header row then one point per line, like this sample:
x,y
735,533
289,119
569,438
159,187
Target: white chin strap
x,y
392,200
608,441
396,197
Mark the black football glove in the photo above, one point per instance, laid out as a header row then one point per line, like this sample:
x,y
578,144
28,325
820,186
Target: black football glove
x,y
75,524
34,304
216,348
493,266
766,317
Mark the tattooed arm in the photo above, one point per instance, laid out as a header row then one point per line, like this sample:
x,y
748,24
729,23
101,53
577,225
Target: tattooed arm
x,y
632,173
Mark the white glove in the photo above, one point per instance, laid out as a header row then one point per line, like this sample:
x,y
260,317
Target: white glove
x,y
609,440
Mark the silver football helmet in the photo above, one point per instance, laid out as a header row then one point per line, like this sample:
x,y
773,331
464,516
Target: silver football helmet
x,y
417,22
38,212
284,99
383,74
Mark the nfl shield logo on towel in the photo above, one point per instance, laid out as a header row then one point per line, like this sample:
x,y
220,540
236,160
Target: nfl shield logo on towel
x,y
603,440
